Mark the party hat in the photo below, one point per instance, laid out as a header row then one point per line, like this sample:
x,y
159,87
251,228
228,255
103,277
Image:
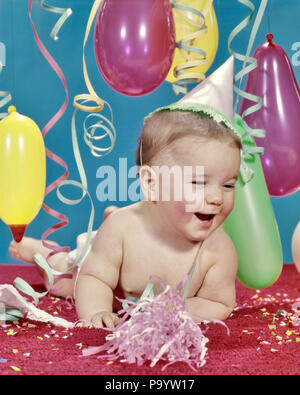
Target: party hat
x,y
213,97
216,90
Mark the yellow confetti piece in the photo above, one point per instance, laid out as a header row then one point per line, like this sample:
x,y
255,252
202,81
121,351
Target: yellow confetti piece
x,y
254,296
109,362
272,326
288,333
15,351
15,368
297,339
11,333
40,338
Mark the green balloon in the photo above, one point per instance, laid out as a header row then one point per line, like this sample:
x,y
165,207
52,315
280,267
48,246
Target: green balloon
x,y
252,226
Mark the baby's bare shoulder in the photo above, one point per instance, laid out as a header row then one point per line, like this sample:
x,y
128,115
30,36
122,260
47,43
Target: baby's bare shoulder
x,y
122,218
219,248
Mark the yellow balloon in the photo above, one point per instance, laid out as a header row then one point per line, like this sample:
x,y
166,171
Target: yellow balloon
x,y
22,171
208,41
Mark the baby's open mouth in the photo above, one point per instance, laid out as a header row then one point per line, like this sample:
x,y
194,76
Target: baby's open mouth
x,y
205,217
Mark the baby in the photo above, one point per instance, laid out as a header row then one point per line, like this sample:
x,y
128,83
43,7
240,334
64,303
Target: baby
x,y
165,237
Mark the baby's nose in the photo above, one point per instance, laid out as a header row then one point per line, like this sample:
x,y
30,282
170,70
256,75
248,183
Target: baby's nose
x,y
214,196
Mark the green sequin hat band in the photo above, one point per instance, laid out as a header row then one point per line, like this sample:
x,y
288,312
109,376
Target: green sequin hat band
x,y
201,109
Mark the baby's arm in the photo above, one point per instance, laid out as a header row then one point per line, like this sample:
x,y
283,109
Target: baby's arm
x,y
99,275
216,297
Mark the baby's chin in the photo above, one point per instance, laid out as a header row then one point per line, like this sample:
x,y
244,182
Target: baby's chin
x,y
202,226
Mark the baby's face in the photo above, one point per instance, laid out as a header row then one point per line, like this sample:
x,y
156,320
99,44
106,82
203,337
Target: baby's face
x,y
202,194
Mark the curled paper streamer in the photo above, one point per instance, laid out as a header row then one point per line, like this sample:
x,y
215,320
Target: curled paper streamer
x,y
46,129
90,102
19,283
65,13
6,98
249,64
92,95
188,50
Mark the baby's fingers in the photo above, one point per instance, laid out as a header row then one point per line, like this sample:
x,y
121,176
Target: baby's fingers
x,y
110,320
83,324
116,320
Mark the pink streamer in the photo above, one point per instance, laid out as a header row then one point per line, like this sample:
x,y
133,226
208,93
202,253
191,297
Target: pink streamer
x,y
63,219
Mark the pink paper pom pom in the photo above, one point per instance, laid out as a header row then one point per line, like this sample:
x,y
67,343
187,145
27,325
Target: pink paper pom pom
x,y
160,329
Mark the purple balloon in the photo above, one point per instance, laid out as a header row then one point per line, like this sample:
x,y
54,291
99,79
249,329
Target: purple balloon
x,y
134,44
274,81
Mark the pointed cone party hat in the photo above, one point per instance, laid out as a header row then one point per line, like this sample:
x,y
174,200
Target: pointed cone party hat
x,y
216,90
213,97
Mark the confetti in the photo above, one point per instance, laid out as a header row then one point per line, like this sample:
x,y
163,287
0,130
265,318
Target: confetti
x,y
272,326
15,368
11,333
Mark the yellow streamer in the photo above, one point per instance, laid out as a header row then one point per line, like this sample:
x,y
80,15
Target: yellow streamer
x,y
92,96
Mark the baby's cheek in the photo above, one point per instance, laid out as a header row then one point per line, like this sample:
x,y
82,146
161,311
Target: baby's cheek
x,y
194,201
179,209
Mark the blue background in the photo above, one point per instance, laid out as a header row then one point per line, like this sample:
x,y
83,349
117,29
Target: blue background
x,y
38,93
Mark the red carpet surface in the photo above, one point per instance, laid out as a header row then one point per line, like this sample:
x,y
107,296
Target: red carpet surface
x,y
262,339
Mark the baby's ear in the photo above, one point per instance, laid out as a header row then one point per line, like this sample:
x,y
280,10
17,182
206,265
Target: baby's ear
x,y
149,182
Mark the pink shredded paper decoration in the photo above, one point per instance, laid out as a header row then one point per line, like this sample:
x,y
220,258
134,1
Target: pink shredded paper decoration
x,y
160,329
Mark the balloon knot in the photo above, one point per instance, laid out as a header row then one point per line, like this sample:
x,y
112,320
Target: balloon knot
x,y
270,37
11,109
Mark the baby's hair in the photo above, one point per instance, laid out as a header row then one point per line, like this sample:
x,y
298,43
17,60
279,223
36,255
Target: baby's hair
x,y
164,127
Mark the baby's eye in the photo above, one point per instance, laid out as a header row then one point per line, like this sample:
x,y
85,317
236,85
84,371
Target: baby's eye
x,y
198,183
229,186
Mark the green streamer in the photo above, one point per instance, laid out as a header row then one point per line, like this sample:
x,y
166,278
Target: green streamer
x,y
24,287
6,97
65,13
249,64
180,86
11,314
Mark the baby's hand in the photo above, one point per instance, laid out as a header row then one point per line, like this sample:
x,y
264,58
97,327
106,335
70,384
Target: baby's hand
x,y
105,318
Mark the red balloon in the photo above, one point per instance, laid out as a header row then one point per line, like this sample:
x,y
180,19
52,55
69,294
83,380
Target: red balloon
x,y
274,81
134,44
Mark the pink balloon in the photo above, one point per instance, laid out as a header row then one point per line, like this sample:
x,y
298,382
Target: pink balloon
x,y
134,44
274,81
